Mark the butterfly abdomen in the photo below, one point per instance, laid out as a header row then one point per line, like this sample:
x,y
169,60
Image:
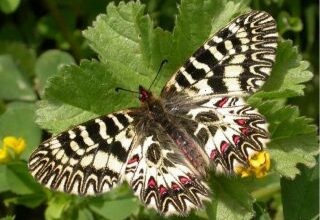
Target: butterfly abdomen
x,y
189,148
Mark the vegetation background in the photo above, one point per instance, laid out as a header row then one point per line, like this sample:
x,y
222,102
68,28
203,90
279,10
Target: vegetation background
x,y
36,93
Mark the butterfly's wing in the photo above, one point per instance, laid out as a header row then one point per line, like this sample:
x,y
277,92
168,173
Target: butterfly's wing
x,y
235,61
87,159
160,175
229,131
206,93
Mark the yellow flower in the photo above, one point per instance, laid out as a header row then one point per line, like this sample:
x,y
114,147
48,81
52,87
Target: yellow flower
x,y
4,155
16,144
259,165
242,171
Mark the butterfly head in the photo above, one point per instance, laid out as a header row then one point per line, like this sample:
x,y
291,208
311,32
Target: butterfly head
x,y
144,95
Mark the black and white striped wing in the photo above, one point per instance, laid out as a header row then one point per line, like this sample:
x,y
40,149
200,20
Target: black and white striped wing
x,y
235,61
161,176
206,93
87,159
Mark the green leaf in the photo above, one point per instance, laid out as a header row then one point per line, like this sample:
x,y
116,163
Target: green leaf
x,y
8,217
293,140
300,197
23,57
75,89
30,200
19,179
2,107
13,86
9,6
85,214
261,212
4,186
57,117
119,32
9,32
117,209
283,117
48,27
286,153
18,121
230,199
79,87
285,23
56,206
288,74
98,91
47,65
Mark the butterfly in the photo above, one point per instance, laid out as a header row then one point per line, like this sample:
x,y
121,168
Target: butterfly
x,y
164,148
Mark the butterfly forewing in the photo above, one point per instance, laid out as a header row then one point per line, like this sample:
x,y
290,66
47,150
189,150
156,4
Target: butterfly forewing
x,y
235,61
87,159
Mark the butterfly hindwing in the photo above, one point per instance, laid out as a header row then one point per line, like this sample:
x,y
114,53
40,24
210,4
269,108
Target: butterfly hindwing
x,y
160,176
236,60
87,159
228,130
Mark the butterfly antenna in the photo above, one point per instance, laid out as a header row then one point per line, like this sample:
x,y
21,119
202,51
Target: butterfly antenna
x,y
155,78
127,90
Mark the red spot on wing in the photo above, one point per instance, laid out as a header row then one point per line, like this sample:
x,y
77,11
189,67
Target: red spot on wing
x,y
221,102
240,122
245,131
133,159
184,180
175,186
213,154
152,183
224,146
162,190
236,139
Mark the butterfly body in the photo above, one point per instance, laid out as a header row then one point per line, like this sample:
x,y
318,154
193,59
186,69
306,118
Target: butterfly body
x,y
164,148
190,149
